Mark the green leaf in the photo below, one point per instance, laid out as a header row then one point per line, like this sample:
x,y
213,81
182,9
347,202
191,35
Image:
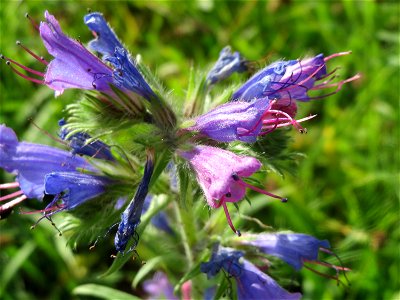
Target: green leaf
x,y
12,267
146,269
102,292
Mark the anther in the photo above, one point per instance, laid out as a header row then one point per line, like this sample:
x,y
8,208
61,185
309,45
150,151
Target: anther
x,y
228,195
235,177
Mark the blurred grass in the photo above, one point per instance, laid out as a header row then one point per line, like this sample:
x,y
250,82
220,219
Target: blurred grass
x,y
346,190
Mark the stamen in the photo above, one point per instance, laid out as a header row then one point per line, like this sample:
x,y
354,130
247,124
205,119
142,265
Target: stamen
x,y
12,203
283,124
49,209
12,195
23,75
41,59
34,24
47,133
10,185
22,66
254,188
292,121
336,55
228,218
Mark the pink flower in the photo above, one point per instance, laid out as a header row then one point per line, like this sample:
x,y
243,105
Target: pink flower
x,y
220,172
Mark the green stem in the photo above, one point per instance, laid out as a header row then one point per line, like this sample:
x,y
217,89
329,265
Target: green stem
x,y
183,233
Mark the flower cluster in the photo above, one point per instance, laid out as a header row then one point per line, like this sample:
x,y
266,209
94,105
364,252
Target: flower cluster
x,y
124,126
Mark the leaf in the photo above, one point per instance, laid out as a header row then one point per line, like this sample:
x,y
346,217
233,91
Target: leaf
x,y
102,292
143,271
12,267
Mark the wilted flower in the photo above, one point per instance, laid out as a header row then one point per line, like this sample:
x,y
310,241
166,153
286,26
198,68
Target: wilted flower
x,y
130,218
250,281
227,64
220,172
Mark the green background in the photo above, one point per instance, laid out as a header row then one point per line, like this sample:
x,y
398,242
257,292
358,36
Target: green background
x,y
346,189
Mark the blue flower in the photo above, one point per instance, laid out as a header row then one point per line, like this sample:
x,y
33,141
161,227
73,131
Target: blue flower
x,y
280,79
130,218
79,145
44,171
250,281
128,76
73,188
106,41
226,65
295,248
31,162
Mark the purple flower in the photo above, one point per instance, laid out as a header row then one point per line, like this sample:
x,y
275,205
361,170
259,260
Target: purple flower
x,y
220,172
233,121
159,287
79,145
106,41
227,64
73,65
287,81
294,248
250,281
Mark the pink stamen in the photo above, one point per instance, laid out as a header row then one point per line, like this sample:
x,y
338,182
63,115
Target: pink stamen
x,y
23,75
228,218
34,24
41,59
273,126
338,85
12,203
254,188
12,195
22,66
49,209
292,121
336,55
10,185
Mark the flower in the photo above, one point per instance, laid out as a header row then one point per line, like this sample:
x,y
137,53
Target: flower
x,y
227,64
106,41
128,76
243,121
31,162
73,65
78,143
125,73
250,281
286,81
44,171
295,248
159,287
130,218
220,172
